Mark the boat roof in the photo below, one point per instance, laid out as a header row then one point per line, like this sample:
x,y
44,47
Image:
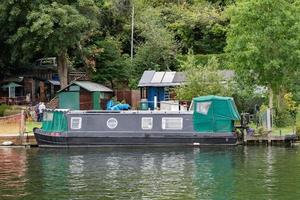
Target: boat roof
x,y
223,107
211,97
128,112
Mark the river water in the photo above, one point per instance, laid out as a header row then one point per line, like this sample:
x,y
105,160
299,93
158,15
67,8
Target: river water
x,y
150,173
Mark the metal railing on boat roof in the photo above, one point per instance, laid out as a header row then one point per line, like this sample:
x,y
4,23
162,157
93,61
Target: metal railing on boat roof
x,y
170,105
128,112
93,111
57,110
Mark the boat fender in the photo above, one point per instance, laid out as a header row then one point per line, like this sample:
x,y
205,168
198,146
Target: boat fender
x,y
7,143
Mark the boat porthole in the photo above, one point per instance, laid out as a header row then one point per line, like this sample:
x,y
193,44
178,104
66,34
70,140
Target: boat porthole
x,y
112,123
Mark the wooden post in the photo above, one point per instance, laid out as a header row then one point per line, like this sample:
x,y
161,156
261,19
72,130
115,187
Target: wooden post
x,y
22,126
42,91
269,120
33,93
244,136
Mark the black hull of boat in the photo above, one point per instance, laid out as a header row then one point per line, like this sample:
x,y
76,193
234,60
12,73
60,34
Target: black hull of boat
x,y
45,140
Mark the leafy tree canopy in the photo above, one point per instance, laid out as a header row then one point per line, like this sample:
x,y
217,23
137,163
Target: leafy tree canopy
x,y
53,28
202,80
110,65
263,41
158,49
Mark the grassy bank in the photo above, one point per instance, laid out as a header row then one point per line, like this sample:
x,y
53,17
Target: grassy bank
x,y
29,125
6,110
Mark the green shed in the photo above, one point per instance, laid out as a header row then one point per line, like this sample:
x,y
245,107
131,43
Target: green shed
x,y
84,95
214,114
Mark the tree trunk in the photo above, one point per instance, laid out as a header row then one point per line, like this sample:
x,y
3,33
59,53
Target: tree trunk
x,y
63,69
270,98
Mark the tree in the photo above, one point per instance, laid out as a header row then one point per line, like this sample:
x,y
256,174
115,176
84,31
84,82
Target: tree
x,y
263,42
157,48
56,28
248,97
110,65
200,26
12,16
201,80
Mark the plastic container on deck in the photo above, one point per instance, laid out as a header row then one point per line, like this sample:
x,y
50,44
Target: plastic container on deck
x,y
144,104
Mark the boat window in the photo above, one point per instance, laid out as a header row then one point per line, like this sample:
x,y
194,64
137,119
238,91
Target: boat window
x,y
48,116
75,122
147,122
203,107
172,123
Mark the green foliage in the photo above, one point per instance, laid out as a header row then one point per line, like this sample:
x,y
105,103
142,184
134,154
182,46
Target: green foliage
x,y
245,95
201,80
291,105
285,113
12,16
204,32
56,26
282,118
263,41
298,122
96,34
6,110
202,59
53,28
3,108
111,66
158,51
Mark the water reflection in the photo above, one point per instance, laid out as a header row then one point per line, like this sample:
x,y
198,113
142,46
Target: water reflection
x,y
76,174
13,168
150,173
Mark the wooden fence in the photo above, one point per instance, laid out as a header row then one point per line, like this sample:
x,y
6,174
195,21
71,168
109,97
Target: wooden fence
x,y
132,97
12,125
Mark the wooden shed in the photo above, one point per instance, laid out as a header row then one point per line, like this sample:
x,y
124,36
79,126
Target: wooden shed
x,y
84,95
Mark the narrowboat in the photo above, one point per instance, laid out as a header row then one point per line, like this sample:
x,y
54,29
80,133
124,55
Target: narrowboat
x,y
210,121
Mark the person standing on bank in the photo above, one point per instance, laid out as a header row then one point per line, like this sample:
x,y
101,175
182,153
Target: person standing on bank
x,y
42,107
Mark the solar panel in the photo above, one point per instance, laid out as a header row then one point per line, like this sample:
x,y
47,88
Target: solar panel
x,y
147,77
168,78
158,76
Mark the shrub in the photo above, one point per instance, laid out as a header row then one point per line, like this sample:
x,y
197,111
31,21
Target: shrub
x,y
6,110
3,107
298,130
283,118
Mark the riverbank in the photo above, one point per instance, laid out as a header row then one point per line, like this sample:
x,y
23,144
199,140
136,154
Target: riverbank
x,y
17,139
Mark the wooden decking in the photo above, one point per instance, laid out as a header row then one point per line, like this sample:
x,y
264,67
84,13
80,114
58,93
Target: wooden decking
x,y
270,139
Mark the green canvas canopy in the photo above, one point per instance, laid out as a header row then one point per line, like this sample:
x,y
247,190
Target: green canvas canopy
x,y
214,114
54,121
